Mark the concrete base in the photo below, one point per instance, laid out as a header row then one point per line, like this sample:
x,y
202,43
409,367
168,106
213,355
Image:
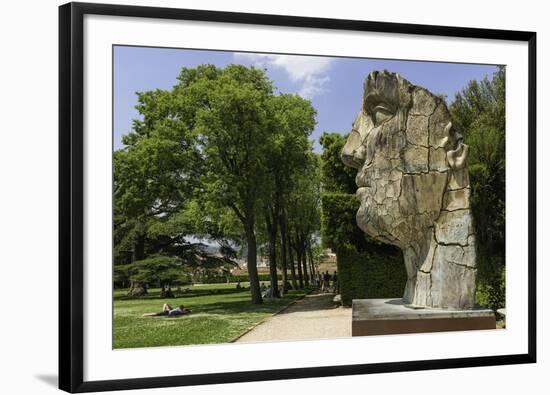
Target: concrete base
x,y
392,316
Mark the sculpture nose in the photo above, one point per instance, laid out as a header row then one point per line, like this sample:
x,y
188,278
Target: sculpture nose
x,y
351,153
349,159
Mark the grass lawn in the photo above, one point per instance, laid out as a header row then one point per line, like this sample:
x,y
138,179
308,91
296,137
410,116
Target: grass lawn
x,y
220,314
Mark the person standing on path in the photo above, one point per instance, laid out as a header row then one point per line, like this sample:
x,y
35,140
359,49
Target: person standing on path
x,y
326,282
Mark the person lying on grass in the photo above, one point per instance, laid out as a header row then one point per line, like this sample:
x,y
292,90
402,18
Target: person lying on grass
x,y
168,310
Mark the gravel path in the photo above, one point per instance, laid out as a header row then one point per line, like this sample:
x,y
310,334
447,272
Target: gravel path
x,y
314,317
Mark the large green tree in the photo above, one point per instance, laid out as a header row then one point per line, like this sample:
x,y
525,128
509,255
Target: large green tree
x,y
292,121
233,128
218,157
153,176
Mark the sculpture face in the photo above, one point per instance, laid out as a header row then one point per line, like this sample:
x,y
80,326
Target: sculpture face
x,y
412,183
377,157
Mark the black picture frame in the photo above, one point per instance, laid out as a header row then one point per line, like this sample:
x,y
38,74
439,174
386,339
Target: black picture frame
x,y
71,204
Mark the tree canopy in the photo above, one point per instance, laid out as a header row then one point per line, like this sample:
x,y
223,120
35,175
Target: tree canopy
x,y
213,158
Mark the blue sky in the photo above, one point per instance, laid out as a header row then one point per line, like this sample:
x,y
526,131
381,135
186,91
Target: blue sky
x,y
334,85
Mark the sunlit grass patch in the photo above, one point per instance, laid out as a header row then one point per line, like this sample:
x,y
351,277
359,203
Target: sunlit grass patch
x,y
215,318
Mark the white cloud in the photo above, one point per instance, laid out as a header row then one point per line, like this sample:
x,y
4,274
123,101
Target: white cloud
x,y
306,71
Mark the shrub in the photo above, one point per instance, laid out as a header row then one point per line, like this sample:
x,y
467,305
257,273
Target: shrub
x,y
491,283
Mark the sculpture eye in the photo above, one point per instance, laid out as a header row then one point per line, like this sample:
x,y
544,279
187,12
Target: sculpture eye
x,y
381,113
379,108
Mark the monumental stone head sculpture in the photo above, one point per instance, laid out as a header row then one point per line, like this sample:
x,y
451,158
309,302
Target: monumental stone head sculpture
x,y
414,188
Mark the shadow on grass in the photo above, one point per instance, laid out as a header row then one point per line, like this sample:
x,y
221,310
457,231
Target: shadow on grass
x,y
214,319
229,306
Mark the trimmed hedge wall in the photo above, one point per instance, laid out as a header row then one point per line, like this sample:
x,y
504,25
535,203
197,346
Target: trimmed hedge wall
x,y
366,268
370,275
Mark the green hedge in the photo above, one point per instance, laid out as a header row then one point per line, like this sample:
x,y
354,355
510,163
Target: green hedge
x,y
366,268
370,275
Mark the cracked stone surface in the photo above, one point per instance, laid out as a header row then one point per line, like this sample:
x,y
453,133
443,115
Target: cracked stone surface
x,y
414,188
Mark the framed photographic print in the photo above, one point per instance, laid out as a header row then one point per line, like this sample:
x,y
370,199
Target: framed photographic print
x,y
249,197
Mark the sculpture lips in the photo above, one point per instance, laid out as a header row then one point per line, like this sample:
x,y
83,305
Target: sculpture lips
x,y
362,193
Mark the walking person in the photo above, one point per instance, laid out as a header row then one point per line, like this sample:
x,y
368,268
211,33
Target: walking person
x,y
326,281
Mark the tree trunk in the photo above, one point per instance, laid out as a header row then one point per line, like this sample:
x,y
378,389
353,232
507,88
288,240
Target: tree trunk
x,y
299,263
291,261
283,252
271,224
304,263
312,265
251,263
138,288
139,247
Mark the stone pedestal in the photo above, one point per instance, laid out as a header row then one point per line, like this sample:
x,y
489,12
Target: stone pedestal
x,y
392,316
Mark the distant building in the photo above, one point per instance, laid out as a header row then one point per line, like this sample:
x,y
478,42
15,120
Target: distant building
x,y
262,263
328,261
